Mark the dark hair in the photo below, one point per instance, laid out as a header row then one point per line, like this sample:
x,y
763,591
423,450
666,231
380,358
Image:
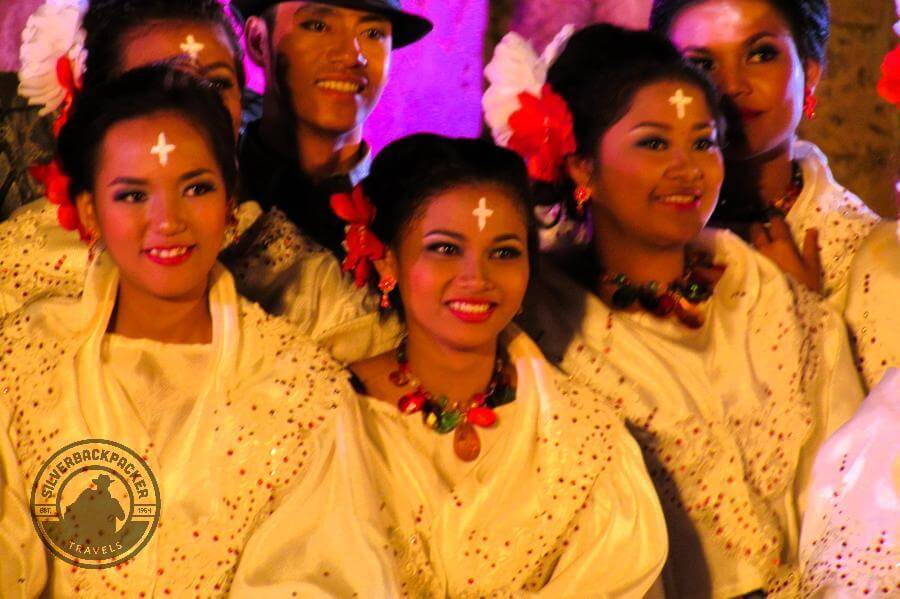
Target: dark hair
x,y
141,92
809,20
409,171
599,73
108,22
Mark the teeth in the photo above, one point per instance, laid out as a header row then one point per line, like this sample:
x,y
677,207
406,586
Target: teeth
x,y
470,308
168,253
346,87
680,199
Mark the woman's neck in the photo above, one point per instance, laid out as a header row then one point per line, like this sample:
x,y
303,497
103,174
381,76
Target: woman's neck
x,y
640,262
443,370
764,178
139,315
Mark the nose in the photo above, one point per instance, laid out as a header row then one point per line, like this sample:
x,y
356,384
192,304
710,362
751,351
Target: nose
x,y
347,51
474,273
684,167
731,80
166,214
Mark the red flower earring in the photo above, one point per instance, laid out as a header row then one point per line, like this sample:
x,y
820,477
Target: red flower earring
x,y
809,104
386,285
582,196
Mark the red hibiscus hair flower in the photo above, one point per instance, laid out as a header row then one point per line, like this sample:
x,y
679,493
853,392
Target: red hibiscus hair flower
x,y
542,133
363,247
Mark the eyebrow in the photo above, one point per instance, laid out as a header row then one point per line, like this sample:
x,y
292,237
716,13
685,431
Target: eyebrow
x,y
748,42
658,125
138,181
218,65
461,237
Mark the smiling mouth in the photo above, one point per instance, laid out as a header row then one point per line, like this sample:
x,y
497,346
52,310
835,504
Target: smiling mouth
x,y
681,201
344,87
470,307
170,256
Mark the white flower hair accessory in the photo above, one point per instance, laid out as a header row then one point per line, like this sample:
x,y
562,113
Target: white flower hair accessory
x,y
523,112
53,32
516,68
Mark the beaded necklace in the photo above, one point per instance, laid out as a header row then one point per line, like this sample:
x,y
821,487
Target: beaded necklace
x,y
681,297
782,205
442,415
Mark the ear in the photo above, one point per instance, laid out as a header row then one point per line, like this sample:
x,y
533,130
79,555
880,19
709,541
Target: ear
x,y
84,203
812,69
387,266
580,169
257,34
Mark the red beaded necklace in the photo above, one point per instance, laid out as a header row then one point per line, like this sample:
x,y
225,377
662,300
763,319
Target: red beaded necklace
x,y
460,417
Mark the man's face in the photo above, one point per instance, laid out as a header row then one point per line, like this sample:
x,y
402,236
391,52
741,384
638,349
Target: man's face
x,y
330,64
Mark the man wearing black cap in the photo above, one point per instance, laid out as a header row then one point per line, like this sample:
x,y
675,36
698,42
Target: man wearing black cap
x,y
326,64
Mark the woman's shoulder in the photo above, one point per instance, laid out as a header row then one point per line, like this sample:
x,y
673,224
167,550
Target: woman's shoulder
x,y
38,257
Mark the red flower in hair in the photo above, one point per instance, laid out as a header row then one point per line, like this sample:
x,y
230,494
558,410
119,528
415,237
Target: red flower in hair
x,y
363,247
55,181
889,86
542,133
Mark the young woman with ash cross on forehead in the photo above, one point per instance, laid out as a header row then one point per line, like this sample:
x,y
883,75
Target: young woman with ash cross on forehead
x,y
728,373
150,158
467,466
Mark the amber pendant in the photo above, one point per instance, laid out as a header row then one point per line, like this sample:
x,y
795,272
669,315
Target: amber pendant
x,y
466,443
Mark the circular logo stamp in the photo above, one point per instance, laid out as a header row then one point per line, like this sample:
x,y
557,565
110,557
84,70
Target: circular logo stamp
x,y
95,503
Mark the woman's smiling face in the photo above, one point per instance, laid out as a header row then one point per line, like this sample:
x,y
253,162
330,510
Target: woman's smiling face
x,y
159,204
657,171
748,49
462,265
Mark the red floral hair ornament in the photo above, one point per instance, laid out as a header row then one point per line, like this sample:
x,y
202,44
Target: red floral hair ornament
x,y
889,85
542,133
362,246
55,181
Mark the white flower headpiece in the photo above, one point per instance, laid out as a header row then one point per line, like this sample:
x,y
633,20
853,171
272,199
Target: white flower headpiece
x,y
516,68
52,32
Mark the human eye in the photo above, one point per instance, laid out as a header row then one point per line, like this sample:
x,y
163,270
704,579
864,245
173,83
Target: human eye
x,y
314,25
655,143
764,53
444,248
375,33
706,143
221,83
199,189
129,196
703,63
506,253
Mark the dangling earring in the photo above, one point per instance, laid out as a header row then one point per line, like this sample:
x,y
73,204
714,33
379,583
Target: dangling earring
x,y
582,196
809,104
386,285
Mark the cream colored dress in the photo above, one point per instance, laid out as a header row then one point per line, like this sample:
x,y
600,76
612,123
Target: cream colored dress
x,y
273,264
729,415
558,504
228,429
842,219
851,531
873,305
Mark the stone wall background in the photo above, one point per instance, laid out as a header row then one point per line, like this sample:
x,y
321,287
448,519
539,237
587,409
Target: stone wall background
x,y
428,92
